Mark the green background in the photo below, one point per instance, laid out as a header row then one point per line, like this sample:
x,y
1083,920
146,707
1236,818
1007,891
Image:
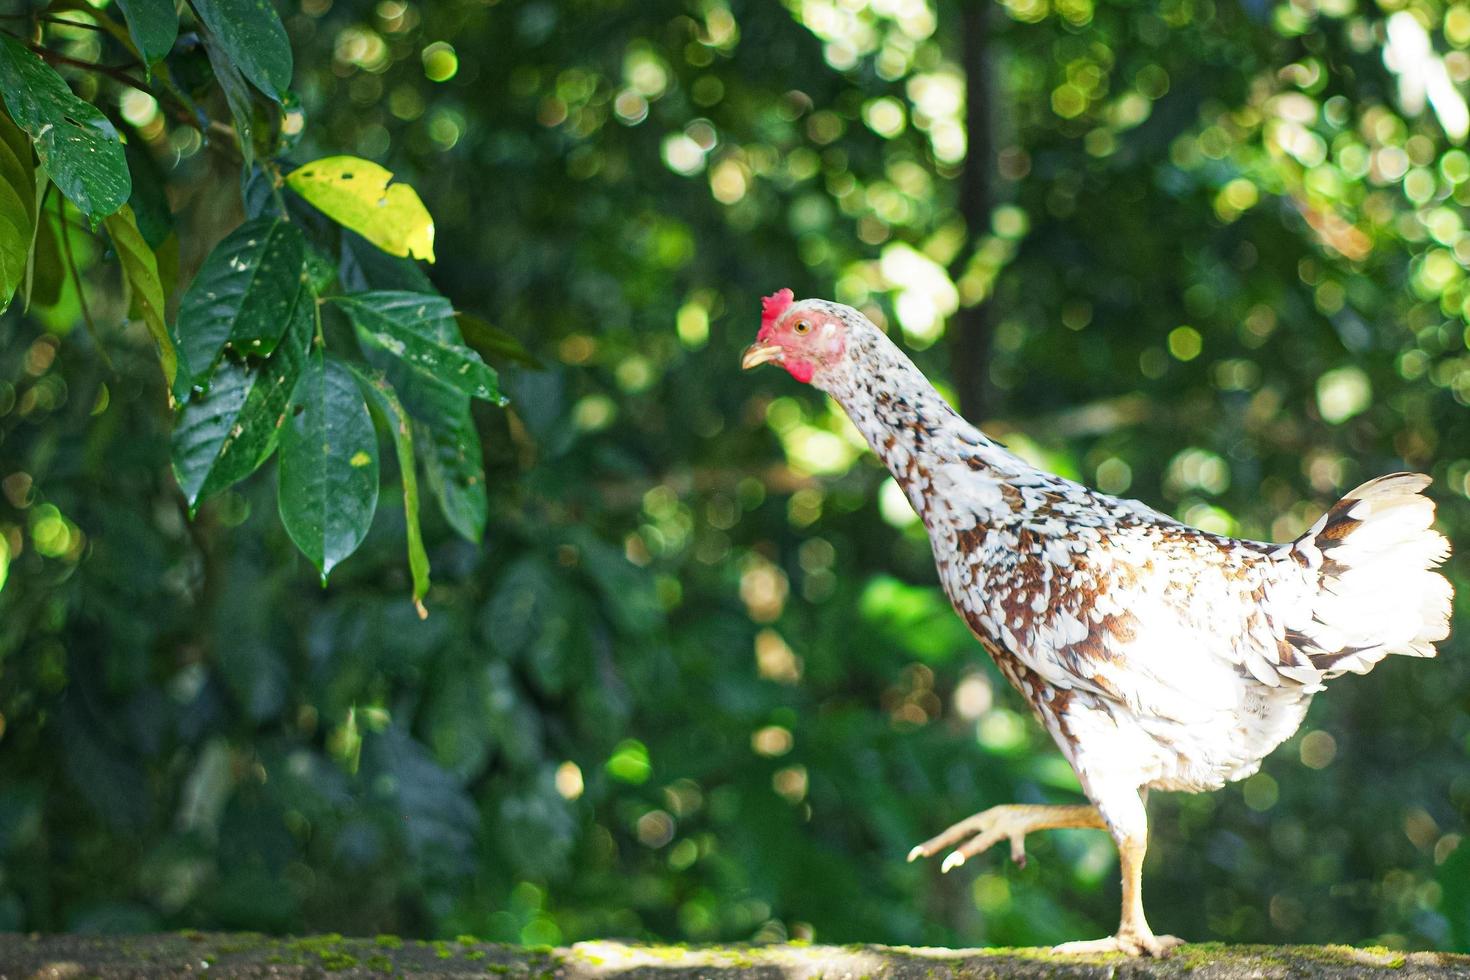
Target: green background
x,y
698,682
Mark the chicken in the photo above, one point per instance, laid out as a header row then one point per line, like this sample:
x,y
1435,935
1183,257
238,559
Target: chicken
x,y
1157,655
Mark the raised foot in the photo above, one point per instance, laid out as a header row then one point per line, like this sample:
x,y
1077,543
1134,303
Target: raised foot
x,y
1128,943
1009,822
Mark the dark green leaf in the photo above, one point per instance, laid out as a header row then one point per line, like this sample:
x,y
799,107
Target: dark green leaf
x,y
329,465
251,33
78,147
46,273
243,295
153,26
453,461
149,200
419,328
237,95
140,267
448,445
366,267
381,395
224,435
258,193
492,342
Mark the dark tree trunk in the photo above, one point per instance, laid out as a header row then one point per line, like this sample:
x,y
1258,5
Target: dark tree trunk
x,y
972,328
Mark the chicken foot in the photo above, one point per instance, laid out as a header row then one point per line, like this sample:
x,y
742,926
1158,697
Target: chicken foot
x,y
1012,821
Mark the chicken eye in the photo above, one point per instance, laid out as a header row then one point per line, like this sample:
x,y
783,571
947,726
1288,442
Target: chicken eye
x,y
802,326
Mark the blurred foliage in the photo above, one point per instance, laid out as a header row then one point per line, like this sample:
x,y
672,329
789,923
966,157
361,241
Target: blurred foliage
x,y
698,682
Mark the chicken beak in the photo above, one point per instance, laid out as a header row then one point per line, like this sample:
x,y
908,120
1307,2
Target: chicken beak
x,y
758,354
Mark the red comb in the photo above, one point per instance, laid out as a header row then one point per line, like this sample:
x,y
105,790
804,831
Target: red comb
x,y
772,307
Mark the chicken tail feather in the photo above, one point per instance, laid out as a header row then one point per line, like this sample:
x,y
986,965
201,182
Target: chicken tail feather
x,y
1374,556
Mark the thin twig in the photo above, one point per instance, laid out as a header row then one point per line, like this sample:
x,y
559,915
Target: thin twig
x,y
49,19
76,279
117,72
273,172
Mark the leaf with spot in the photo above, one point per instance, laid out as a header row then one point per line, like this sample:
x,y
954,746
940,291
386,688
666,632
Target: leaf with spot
x,y
78,147
382,397
360,195
243,296
153,25
140,269
17,208
225,434
251,34
419,329
328,487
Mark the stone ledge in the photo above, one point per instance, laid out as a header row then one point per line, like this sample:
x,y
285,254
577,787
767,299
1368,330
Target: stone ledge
x,y
248,955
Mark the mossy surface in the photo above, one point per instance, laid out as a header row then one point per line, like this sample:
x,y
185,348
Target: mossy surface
x,y
249,955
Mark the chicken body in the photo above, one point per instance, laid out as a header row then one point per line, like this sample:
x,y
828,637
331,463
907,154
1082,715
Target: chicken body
x,y
1157,655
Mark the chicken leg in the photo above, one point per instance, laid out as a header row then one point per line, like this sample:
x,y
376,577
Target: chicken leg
x,y
1134,937
1014,821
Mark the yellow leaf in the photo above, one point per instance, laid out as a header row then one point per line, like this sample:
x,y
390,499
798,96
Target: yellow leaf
x,y
358,194
140,271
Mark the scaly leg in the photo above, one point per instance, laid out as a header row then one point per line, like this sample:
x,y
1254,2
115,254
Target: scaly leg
x,y
1128,823
1013,821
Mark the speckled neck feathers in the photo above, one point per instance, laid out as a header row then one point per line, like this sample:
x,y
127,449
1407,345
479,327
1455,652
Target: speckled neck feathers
x,y
907,422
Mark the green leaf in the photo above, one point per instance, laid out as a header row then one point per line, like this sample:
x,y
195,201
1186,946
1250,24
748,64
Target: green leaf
x,y
456,472
45,273
449,445
237,96
242,296
153,26
140,267
17,209
149,200
329,465
224,435
251,33
419,328
78,147
17,169
381,395
358,194
492,342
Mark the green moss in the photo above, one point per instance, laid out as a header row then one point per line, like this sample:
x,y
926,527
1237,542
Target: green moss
x,y
337,959
385,941
475,954
379,963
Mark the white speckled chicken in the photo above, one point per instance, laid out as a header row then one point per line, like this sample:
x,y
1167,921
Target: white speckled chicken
x,y
1157,655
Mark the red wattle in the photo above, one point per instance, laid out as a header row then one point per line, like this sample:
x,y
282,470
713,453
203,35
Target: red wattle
x,y
800,370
